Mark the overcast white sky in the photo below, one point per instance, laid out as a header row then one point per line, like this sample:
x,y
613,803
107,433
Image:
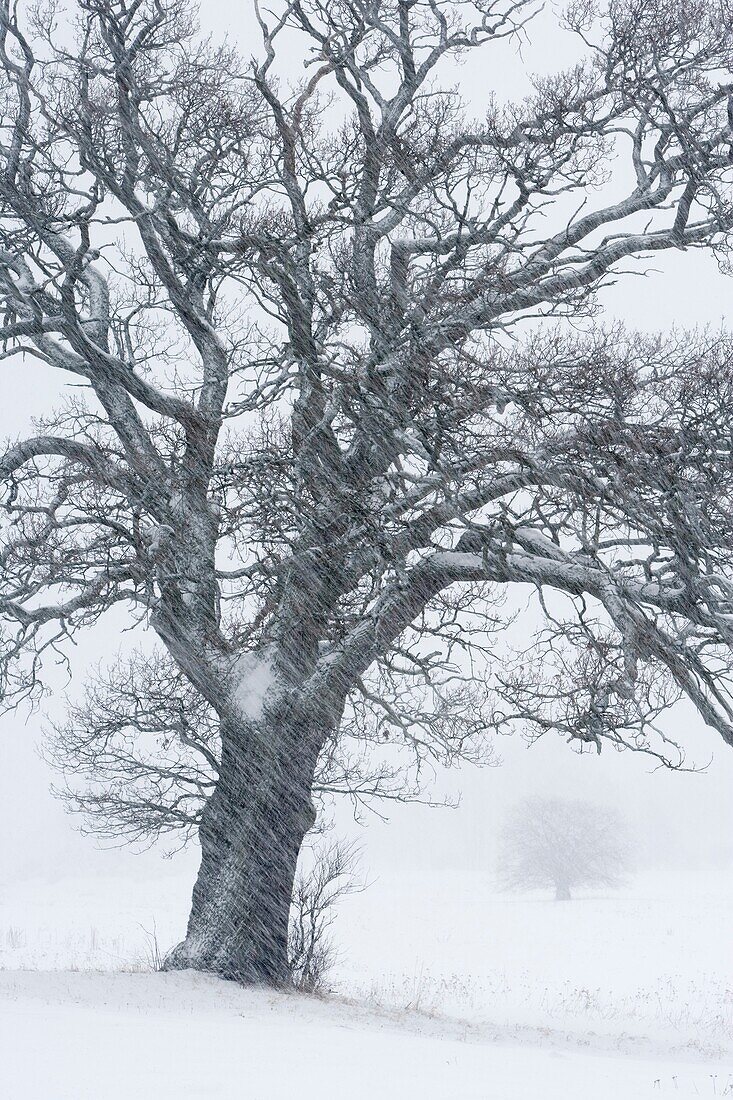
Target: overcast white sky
x,y
684,817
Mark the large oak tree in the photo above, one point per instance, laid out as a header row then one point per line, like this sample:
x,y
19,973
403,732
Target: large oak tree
x,y
322,417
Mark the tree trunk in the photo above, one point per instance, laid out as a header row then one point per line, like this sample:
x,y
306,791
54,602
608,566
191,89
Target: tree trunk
x,y
562,892
251,833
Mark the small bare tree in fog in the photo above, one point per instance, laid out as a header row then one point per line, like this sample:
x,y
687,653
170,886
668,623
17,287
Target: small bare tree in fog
x,y
563,844
312,442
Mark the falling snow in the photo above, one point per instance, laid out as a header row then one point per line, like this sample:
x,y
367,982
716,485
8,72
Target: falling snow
x,y
332,462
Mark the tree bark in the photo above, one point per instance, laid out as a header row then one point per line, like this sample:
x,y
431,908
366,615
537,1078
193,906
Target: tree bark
x,y
251,832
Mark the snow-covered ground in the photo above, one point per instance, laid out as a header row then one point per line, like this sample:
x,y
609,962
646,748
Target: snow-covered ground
x,y
87,1036
654,962
443,989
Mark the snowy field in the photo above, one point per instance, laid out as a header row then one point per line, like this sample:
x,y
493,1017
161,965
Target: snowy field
x,y
652,964
116,1036
450,993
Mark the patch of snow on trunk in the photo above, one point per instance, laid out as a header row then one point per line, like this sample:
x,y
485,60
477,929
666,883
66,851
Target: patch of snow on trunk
x,y
255,679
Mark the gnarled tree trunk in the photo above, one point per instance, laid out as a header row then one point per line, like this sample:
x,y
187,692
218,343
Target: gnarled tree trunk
x,y
251,833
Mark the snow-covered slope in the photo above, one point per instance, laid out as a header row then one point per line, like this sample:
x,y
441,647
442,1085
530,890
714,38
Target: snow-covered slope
x,y
117,1036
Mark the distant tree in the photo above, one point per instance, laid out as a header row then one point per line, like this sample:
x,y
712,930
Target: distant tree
x,y
562,844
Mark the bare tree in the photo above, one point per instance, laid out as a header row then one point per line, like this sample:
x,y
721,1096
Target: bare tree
x,y
331,876
563,844
309,444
